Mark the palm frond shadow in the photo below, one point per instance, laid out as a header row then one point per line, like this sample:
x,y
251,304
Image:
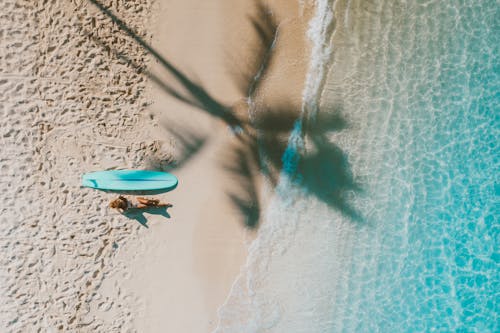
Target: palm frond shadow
x,y
323,167
194,94
241,163
326,174
247,77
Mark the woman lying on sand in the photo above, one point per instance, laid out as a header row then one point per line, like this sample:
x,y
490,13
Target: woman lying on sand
x,y
122,204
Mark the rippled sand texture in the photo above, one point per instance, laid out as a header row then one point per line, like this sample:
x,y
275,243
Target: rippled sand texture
x,y
70,103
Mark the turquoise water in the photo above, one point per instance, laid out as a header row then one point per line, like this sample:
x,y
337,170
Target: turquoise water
x,y
429,103
417,84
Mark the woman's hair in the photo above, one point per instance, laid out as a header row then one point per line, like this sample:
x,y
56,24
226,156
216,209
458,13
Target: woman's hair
x,y
120,202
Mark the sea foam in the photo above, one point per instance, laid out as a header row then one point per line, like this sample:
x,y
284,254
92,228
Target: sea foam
x,y
416,85
265,296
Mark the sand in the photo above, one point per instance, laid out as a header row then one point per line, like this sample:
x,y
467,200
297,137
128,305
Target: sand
x,y
190,262
78,95
68,106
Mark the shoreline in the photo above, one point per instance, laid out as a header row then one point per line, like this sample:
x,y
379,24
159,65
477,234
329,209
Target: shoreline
x,y
320,165
192,260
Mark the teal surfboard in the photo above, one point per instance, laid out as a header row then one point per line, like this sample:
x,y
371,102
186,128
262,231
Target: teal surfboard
x,y
130,180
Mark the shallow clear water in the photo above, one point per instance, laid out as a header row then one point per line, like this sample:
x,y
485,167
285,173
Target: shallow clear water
x,y
408,242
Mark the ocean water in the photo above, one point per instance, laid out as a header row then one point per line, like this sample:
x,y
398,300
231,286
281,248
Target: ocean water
x,y
385,218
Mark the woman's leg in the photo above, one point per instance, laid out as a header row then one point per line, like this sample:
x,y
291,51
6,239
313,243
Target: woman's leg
x,y
148,202
142,200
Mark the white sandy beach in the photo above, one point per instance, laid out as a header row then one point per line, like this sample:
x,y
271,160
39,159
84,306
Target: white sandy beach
x,y
68,107
76,97
198,253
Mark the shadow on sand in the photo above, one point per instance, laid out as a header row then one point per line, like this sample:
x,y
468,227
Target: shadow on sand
x,y
136,193
323,167
138,214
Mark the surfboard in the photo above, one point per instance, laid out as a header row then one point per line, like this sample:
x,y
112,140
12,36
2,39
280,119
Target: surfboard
x,y
130,180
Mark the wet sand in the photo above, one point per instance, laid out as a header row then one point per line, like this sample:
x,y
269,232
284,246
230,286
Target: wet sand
x,y
189,262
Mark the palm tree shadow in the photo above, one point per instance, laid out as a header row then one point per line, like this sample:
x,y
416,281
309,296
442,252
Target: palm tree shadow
x,y
247,75
193,93
323,167
326,174
138,214
241,163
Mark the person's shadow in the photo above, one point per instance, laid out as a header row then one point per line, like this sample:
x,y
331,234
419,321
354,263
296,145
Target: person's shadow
x,y
138,214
